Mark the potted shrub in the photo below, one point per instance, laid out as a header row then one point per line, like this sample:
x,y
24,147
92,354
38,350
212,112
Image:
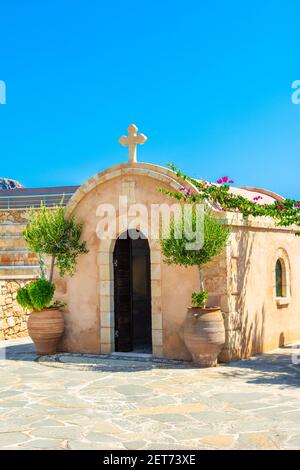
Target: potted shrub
x,y
203,329
46,323
49,234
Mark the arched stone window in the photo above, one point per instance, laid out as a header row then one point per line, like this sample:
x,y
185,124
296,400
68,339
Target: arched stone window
x,y
282,278
280,275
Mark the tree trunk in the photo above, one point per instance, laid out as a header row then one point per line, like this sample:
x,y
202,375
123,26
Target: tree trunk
x,y
52,268
42,266
201,278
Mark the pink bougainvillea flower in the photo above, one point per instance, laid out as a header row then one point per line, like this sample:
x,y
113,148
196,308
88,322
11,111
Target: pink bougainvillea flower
x,y
231,181
225,179
220,181
186,191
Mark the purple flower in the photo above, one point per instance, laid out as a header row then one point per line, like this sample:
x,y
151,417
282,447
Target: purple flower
x,y
224,180
186,191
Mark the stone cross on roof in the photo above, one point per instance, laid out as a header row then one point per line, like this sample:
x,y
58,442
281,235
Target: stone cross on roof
x,y
131,141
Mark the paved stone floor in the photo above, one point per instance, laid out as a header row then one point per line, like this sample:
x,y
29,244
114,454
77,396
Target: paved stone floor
x,y
95,402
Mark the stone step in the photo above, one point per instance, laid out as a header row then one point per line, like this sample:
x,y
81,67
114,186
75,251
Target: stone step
x,y
22,251
15,277
17,257
9,228
12,242
8,272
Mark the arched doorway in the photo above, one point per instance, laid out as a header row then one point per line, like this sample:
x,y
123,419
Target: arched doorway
x,y
132,295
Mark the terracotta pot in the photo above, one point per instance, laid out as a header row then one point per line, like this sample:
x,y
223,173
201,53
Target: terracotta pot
x,y
204,334
45,329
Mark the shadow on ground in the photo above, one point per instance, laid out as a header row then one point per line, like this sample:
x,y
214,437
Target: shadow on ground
x,y
91,362
282,367
272,368
17,352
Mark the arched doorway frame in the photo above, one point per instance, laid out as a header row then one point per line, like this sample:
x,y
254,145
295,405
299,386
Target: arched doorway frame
x,y
107,311
139,321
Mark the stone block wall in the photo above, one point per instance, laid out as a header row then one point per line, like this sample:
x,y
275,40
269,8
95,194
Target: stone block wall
x,y
17,267
13,319
13,216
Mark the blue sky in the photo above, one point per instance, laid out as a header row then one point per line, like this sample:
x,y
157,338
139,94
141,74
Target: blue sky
x,y
209,83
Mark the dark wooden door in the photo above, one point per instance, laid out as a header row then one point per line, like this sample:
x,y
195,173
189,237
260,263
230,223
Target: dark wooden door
x,y
132,295
123,298
141,295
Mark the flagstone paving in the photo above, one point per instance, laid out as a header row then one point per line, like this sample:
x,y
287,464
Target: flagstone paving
x,y
106,402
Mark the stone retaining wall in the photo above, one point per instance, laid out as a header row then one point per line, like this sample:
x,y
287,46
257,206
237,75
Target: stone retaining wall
x,y
13,215
13,319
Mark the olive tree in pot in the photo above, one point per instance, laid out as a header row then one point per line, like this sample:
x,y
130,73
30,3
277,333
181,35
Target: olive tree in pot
x,y
203,329
49,234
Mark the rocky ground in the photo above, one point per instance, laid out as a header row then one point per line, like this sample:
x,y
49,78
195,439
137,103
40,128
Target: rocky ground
x,y
95,402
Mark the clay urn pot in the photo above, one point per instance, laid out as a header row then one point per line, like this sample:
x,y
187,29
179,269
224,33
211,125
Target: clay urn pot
x,y
45,328
204,334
